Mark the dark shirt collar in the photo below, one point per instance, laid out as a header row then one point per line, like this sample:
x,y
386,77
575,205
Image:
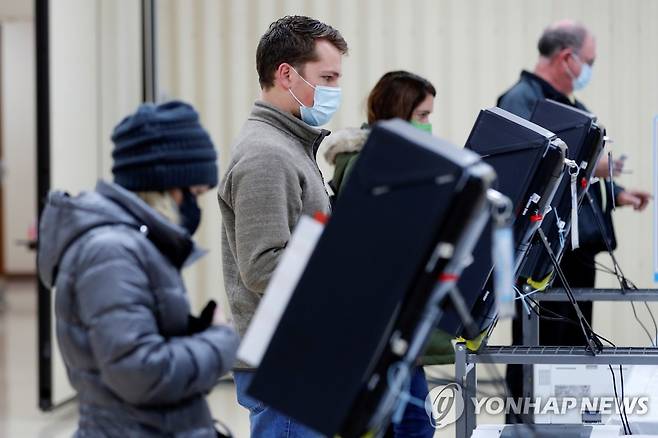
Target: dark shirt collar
x,y
549,91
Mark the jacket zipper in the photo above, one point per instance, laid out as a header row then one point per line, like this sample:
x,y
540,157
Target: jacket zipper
x,y
314,147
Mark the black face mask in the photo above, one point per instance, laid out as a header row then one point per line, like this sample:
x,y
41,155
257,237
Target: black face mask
x,y
190,212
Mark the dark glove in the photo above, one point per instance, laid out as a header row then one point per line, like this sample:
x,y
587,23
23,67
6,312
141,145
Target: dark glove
x,y
197,324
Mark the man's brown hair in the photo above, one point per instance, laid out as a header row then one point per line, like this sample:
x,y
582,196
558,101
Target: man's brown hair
x,y
291,39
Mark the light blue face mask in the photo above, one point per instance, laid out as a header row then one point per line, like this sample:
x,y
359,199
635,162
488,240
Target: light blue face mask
x,y
326,101
584,77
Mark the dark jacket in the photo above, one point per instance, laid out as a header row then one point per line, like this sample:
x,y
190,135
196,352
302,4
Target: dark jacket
x,y
342,151
122,316
521,100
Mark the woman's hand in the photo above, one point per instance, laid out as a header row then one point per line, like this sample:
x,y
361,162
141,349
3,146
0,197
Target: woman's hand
x,y
220,318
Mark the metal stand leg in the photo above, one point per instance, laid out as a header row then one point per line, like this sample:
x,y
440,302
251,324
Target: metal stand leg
x,y
531,339
466,378
470,391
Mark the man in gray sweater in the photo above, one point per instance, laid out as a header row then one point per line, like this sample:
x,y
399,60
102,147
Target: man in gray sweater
x,y
273,178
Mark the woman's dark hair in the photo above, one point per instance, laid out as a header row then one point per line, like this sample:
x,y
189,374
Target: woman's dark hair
x,y
292,39
397,94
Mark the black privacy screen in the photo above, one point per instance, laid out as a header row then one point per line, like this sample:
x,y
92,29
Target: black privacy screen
x,y
368,262
528,161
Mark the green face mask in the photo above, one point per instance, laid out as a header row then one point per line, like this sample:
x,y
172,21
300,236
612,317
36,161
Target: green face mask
x,y
427,127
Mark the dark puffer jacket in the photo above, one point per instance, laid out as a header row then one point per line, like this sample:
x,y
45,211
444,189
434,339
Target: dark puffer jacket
x,y
122,310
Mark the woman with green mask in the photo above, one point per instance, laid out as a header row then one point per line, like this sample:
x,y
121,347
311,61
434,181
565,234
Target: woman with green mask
x,y
404,95
397,94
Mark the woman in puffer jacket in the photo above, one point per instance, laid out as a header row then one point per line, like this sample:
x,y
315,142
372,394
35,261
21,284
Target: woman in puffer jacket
x,y
141,365
409,97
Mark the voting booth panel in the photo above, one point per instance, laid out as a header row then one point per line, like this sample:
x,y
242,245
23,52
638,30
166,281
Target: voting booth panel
x,y
529,162
585,140
395,227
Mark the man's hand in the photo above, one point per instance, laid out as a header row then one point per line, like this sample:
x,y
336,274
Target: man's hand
x,y
637,198
602,170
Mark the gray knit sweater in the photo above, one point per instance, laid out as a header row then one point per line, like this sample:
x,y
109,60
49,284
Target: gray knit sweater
x,y
272,180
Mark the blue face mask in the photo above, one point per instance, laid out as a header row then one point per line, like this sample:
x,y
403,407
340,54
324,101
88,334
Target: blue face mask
x,y
584,77
326,101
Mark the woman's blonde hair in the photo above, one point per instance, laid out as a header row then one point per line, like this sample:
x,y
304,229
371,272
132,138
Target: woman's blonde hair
x,y
163,203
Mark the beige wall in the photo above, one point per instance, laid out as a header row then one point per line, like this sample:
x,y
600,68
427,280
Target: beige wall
x,y
16,10
95,81
17,117
17,133
471,51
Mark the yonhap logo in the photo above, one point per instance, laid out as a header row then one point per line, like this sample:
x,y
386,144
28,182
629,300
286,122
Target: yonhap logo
x,y
444,405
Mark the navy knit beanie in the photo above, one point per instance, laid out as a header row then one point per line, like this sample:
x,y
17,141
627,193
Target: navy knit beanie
x,y
161,147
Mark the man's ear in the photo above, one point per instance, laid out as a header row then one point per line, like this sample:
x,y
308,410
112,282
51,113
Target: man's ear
x,y
283,74
564,54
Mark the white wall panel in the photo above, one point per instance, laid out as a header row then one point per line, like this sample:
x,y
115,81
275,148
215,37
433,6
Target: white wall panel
x,y
95,81
20,10
74,87
17,116
471,51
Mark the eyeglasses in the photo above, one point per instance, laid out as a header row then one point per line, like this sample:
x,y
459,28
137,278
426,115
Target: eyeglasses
x,y
590,62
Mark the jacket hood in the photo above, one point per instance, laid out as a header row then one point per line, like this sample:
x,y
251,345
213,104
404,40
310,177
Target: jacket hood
x,y
66,218
344,140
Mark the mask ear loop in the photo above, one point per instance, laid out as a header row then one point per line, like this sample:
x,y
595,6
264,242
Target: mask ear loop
x,y
302,77
307,83
566,64
295,97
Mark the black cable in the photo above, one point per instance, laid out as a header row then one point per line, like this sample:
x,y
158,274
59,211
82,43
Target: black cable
x,y
607,270
614,385
591,340
623,415
557,317
624,283
655,326
623,399
602,266
639,321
